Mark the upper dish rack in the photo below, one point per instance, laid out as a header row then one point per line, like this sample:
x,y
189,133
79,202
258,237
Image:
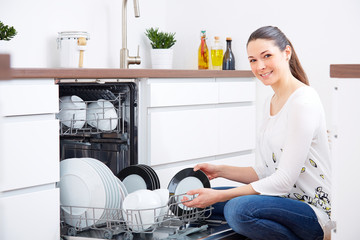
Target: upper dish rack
x,y
77,123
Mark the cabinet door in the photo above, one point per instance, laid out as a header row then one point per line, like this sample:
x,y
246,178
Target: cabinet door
x,y
32,215
178,135
180,94
346,154
21,99
236,91
29,152
236,129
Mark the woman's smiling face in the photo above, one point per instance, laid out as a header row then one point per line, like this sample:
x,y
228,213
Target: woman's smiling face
x,y
267,61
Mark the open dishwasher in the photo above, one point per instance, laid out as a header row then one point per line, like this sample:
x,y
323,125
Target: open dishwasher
x,y
117,148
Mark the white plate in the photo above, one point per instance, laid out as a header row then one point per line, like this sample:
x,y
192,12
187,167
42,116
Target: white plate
x,y
114,196
187,184
117,193
81,186
134,182
184,181
122,187
108,183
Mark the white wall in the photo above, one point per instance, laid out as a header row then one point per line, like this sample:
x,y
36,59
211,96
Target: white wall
x,y
38,23
322,31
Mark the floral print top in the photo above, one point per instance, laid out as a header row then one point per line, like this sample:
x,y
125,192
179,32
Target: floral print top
x,y
294,155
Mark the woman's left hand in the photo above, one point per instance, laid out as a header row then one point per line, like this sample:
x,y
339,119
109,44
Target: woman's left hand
x,y
205,198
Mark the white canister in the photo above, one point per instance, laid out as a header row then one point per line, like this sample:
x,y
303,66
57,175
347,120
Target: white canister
x,y
71,49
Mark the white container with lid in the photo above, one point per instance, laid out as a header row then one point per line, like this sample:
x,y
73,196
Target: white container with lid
x,y
72,45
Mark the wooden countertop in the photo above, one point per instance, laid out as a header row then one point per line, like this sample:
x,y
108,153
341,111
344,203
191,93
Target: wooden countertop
x,y
5,72
345,70
92,73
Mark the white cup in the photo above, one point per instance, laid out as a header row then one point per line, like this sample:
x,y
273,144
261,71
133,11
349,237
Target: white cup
x,y
141,209
102,115
164,197
72,111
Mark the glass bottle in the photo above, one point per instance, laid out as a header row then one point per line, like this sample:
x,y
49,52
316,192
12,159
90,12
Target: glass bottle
x,y
217,54
203,52
229,58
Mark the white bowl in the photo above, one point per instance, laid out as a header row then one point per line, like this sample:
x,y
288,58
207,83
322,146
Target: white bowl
x,y
72,111
164,198
141,209
102,115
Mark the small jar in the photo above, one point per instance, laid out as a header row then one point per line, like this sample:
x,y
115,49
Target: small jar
x,y
72,45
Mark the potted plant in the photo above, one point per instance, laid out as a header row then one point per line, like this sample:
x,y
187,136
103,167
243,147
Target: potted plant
x,y
161,52
6,32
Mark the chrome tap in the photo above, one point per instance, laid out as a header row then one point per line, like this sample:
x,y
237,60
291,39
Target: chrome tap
x,y
125,59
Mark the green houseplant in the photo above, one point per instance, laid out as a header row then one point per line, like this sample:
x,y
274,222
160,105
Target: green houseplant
x,y
6,32
161,51
160,39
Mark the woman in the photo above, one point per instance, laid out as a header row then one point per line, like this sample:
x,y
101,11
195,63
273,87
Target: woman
x,y
287,193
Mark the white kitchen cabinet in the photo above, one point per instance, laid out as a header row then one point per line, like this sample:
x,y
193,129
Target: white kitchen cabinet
x,y
28,99
346,154
164,93
182,135
29,160
29,152
235,129
186,121
33,215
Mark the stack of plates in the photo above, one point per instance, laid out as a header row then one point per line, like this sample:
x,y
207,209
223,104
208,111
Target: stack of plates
x,y
138,177
87,188
184,181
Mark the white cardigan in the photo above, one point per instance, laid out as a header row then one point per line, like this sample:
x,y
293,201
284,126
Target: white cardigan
x,y
293,153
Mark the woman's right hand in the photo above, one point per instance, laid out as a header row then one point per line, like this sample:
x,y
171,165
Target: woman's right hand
x,y
211,171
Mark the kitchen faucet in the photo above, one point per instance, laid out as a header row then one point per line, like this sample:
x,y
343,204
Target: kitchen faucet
x,y
125,59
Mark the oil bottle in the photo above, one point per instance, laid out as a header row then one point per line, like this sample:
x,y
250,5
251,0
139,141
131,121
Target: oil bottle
x,y
217,54
203,52
229,58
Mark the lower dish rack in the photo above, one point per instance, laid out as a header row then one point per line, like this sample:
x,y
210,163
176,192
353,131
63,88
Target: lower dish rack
x,y
105,223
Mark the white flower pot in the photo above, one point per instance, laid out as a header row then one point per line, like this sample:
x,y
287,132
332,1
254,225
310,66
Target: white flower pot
x,y
162,58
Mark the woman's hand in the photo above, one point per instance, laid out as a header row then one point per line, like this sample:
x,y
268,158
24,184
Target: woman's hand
x,y
211,171
205,198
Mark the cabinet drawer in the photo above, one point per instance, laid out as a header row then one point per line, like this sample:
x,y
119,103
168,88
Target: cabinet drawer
x,y
182,135
179,94
30,216
236,129
29,152
236,92
28,99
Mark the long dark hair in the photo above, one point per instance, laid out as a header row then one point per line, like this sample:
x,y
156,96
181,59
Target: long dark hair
x,y
275,34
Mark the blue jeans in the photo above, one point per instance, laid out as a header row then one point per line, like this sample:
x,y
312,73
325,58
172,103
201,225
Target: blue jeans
x,y
272,218
267,217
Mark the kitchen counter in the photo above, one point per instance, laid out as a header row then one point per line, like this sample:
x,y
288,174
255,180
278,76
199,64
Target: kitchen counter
x,y
345,70
5,67
76,73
